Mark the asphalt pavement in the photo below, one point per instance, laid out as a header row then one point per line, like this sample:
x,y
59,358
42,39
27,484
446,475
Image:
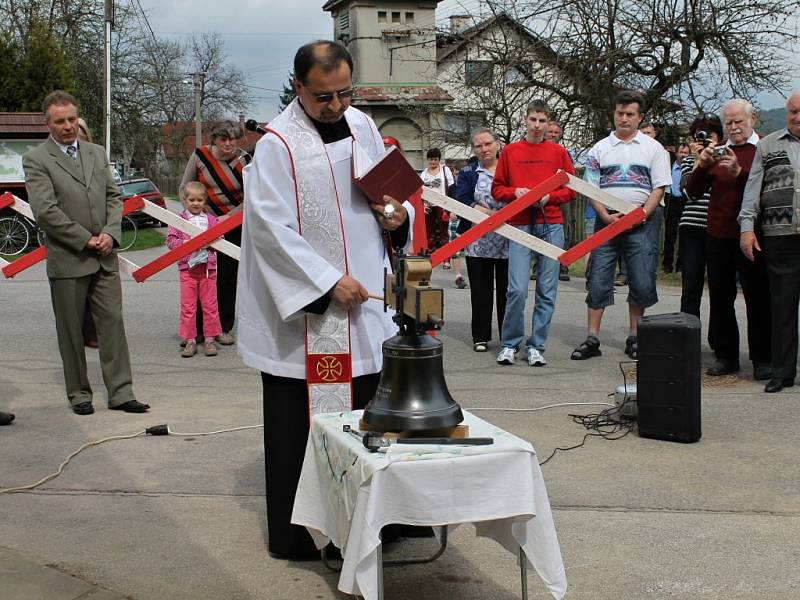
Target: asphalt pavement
x,y
183,517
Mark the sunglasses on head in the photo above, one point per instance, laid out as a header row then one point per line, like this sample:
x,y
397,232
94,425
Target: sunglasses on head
x,y
341,94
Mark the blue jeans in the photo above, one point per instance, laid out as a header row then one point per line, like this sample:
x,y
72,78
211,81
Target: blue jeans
x,y
637,248
519,273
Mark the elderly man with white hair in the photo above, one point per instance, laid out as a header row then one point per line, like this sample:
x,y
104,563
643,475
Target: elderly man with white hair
x,y
722,171
772,197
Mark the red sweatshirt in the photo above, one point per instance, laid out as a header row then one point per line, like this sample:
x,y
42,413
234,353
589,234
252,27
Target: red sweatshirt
x,y
524,165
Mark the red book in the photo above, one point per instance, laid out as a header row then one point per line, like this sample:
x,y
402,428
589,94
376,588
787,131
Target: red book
x,y
390,175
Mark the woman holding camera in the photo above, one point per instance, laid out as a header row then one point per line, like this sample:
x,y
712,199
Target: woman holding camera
x,y
705,130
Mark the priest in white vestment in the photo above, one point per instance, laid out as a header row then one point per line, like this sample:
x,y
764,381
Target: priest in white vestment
x,y
313,249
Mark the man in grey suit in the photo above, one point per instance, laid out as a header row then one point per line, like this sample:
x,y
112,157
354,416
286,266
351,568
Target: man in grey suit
x,y
75,202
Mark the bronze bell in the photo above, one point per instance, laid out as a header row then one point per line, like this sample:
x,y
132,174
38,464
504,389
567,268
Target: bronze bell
x,y
412,394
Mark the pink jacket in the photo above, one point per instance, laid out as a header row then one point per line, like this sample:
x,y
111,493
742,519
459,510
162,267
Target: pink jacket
x,y
175,238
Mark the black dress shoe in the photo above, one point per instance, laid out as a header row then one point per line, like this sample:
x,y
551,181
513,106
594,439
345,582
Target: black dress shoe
x,y
723,366
761,371
6,418
84,408
776,385
131,406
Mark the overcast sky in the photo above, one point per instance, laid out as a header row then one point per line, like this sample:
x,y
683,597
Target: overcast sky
x,y
262,36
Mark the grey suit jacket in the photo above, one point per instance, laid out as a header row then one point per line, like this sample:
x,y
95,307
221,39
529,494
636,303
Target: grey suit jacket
x,y
73,200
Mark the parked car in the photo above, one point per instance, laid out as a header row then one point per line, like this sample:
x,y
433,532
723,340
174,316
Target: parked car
x,y
146,189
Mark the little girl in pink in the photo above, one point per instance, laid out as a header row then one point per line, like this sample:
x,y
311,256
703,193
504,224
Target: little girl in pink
x,y
198,274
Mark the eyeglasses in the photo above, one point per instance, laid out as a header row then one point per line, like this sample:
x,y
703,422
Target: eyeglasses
x,y
341,95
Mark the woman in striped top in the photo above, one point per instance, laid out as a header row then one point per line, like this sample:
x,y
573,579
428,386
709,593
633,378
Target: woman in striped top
x,y
692,225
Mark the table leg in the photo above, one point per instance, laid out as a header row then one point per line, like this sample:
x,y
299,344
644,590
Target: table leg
x,y
523,570
427,559
380,571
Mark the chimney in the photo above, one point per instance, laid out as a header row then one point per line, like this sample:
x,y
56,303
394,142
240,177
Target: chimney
x,y
459,23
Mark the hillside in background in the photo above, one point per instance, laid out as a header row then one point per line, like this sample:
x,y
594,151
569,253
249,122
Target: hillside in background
x,y
771,120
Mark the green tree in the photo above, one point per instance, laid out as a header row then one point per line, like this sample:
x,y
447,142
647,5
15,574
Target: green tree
x,y
9,73
288,93
44,67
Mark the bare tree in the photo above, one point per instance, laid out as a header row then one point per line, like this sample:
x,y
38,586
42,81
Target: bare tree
x,y
155,90
684,55
224,89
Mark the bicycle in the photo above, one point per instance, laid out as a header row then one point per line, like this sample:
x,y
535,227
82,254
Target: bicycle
x,y
15,235
130,231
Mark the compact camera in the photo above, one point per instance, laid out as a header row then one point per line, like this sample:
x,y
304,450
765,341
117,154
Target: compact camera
x,y
720,150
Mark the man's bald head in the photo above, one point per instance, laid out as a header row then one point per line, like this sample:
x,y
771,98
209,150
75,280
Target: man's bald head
x,y
793,113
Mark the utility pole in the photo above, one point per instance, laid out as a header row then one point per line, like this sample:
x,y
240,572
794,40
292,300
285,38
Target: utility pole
x,y
109,25
198,79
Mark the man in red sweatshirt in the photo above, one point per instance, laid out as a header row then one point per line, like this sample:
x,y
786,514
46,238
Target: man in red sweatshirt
x,y
523,165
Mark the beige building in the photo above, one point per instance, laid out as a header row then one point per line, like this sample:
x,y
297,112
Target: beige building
x,y
393,43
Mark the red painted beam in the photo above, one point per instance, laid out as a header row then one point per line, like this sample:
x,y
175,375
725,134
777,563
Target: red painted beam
x,y
501,216
6,200
132,204
419,232
637,215
189,246
25,261
38,255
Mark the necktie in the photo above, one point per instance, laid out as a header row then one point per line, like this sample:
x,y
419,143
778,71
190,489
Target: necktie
x,y
72,152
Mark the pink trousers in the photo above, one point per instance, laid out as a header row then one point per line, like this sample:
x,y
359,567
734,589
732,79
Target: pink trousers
x,y
199,283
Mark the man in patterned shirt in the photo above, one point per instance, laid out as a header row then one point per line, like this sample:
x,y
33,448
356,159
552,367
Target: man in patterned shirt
x,y
634,167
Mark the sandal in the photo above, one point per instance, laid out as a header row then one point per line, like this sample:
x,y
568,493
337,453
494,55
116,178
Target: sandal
x,y
460,283
446,265
587,349
480,346
632,347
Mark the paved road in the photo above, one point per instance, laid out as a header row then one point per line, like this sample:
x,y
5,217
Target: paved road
x,y
183,517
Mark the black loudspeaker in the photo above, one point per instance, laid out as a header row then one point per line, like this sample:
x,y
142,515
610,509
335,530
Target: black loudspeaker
x,y
668,377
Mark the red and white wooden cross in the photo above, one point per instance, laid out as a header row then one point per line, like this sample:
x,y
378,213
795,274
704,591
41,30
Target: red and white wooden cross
x,y
497,221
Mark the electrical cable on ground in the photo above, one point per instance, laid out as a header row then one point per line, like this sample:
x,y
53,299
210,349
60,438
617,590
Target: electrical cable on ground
x,y
541,407
156,430
69,458
159,430
608,424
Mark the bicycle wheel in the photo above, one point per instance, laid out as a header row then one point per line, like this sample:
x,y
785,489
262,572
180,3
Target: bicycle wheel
x,y
40,236
129,233
14,236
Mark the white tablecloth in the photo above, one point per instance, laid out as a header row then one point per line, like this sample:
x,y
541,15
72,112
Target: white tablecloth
x,y
347,494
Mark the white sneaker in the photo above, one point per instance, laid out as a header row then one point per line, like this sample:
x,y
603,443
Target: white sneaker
x,y
506,356
535,358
